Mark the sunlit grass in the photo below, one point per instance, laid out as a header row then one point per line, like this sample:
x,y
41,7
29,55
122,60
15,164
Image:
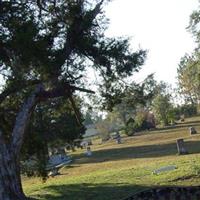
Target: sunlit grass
x,y
117,170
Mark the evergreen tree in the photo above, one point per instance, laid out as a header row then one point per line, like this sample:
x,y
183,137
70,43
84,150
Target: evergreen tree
x,y
46,46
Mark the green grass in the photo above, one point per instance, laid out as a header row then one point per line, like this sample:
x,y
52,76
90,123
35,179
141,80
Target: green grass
x,y
116,171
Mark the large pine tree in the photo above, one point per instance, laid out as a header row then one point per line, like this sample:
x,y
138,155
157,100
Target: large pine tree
x,y
45,47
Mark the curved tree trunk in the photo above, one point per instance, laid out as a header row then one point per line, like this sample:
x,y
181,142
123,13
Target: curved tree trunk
x,y
10,181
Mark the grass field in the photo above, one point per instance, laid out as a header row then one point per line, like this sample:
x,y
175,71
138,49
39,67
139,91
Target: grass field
x,y
116,171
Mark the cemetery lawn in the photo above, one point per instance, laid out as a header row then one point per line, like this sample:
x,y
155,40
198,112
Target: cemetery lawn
x,y
116,171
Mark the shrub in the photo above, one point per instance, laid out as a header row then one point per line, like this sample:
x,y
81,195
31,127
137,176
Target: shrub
x,y
138,124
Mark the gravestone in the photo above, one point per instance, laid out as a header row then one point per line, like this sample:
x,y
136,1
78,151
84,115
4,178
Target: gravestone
x,y
84,144
88,151
164,169
192,130
119,140
181,147
117,137
56,162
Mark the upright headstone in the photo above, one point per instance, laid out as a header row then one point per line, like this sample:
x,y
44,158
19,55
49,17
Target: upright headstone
x,y
53,172
181,147
88,151
182,118
118,138
192,130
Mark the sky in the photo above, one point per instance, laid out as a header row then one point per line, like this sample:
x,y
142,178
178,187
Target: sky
x,y
158,26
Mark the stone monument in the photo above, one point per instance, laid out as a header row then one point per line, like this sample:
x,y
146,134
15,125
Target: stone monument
x,y
192,130
181,147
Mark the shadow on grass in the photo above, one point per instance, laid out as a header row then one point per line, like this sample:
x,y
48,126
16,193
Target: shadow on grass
x,y
89,191
147,151
118,192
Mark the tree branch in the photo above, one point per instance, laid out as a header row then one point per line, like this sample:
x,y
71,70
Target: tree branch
x,y
13,89
97,9
76,111
64,90
22,120
24,114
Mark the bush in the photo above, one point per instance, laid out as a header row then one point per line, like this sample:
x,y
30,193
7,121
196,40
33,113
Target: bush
x,y
140,121
130,129
188,110
138,124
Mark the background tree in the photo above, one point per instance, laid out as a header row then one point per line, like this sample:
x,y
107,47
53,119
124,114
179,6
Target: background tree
x,y
104,129
45,50
88,118
133,102
189,67
189,78
162,108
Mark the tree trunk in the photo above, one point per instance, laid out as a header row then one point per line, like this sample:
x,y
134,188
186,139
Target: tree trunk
x,y
10,184
10,181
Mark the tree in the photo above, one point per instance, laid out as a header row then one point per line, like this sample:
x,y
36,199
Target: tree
x,y
194,25
189,78
52,125
189,67
132,98
88,118
45,48
161,107
104,129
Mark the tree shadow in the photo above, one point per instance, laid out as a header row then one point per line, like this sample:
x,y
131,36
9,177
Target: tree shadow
x,y
89,191
168,193
147,151
116,191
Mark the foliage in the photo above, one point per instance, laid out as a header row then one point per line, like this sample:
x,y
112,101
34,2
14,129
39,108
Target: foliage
x,y
133,96
134,99
88,119
189,78
130,127
50,43
189,68
57,48
53,124
144,120
141,120
188,110
161,107
194,25
103,127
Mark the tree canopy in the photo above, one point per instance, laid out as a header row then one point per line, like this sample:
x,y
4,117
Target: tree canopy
x,y
53,43
189,67
46,47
